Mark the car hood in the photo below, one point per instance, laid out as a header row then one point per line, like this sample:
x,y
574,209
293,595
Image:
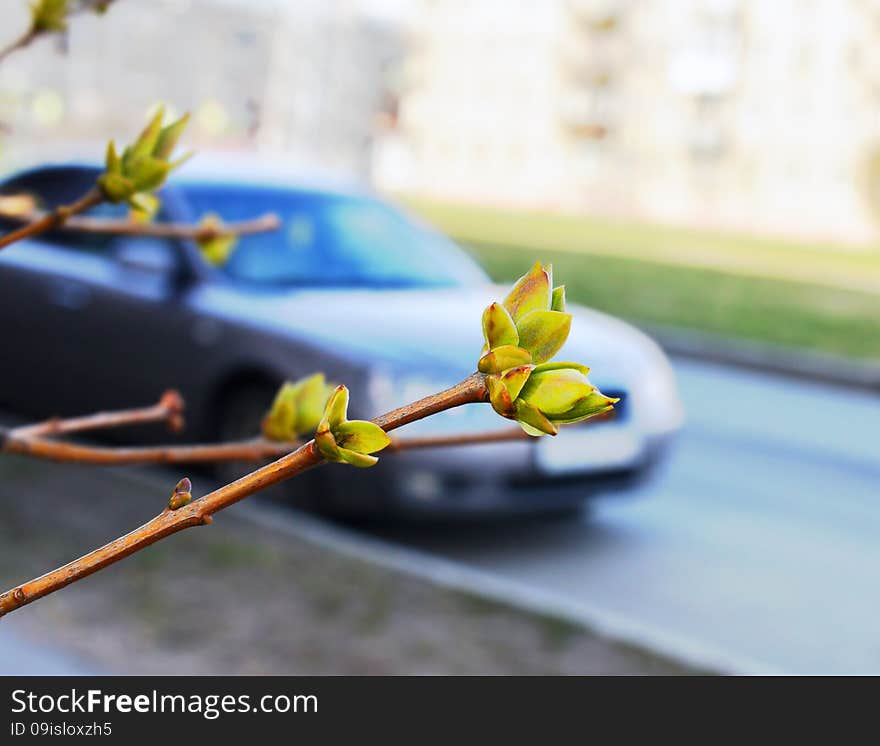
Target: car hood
x,y
436,330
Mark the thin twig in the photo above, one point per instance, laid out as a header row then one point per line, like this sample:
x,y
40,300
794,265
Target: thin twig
x,y
417,442
252,451
53,219
33,440
197,232
200,512
34,33
169,408
249,451
20,43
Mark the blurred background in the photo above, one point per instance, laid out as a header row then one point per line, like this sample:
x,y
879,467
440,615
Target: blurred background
x,y
707,170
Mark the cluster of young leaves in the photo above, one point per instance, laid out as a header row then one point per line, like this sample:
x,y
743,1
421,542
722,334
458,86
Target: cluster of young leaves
x,y
143,168
144,165
297,409
348,441
522,335
311,406
49,16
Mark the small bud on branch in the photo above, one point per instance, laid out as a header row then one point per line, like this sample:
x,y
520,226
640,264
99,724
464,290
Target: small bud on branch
x,y
182,494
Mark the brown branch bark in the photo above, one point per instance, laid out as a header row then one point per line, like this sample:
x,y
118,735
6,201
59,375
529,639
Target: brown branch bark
x,y
415,442
250,451
53,219
20,43
261,224
200,512
33,440
33,33
169,409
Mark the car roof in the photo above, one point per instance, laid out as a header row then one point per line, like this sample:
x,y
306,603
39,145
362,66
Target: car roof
x,y
233,170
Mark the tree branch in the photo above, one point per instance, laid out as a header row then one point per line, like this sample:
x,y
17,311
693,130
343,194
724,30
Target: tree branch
x,y
53,219
33,440
34,33
200,512
417,442
20,43
169,408
197,232
250,451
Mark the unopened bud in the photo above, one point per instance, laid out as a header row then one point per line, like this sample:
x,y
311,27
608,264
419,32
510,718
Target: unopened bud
x,y
182,494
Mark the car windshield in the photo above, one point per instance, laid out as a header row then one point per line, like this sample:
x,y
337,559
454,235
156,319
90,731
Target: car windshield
x,y
332,240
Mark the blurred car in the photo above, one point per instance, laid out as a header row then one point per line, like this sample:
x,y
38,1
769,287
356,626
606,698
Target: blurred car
x,y
348,285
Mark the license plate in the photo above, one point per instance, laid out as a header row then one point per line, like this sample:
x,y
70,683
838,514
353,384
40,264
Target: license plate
x,y
586,449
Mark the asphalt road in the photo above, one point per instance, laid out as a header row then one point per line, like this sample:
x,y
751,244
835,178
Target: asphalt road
x,y
757,550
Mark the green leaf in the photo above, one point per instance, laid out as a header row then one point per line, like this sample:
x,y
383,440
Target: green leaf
x,y
310,400
499,396
326,442
115,187
278,426
217,250
515,378
279,423
559,365
557,302
147,173
361,436
111,162
336,408
533,421
180,161
555,392
168,138
530,293
145,144
590,406
357,459
49,15
502,358
543,333
144,206
498,327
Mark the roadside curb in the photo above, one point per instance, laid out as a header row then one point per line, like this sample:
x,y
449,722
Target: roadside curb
x,y
787,361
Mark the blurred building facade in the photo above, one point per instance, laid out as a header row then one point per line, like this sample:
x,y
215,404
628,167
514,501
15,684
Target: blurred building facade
x,y
745,114
305,78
